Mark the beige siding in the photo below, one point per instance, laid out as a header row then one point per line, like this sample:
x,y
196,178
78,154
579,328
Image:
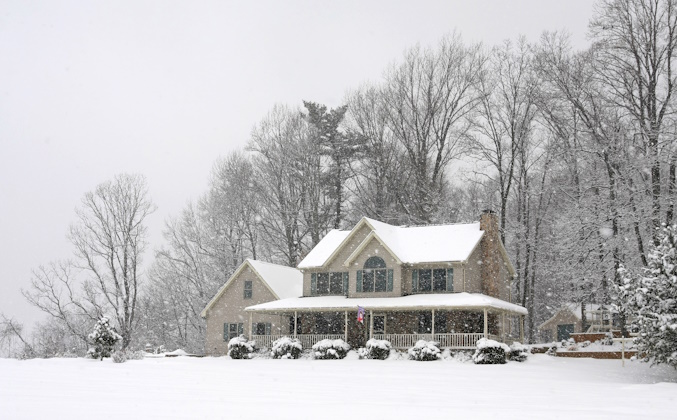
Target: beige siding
x,y
229,308
473,273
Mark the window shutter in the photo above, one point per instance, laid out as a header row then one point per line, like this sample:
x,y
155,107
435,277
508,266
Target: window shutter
x,y
267,328
240,329
313,284
450,279
359,280
225,332
414,281
390,280
346,276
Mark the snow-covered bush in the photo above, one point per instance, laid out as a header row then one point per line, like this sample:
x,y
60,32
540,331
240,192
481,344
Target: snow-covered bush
x,y
378,349
119,356
286,348
425,351
330,349
585,343
518,352
608,339
240,348
490,352
650,298
103,339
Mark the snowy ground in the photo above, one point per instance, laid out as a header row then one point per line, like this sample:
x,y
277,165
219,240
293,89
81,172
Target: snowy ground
x,y
191,388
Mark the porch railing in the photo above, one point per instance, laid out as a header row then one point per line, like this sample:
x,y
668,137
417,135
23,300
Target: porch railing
x,y
307,340
399,341
265,341
452,341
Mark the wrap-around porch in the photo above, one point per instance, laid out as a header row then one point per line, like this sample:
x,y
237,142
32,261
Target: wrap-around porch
x,y
457,324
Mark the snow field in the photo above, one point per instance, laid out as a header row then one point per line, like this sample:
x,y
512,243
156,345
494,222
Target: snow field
x,y
191,388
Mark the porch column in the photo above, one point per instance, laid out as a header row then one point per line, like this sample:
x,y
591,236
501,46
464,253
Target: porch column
x,y
486,324
521,328
345,326
295,319
433,326
251,333
371,324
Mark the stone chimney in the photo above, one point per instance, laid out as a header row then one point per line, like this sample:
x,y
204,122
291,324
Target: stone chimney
x,y
490,254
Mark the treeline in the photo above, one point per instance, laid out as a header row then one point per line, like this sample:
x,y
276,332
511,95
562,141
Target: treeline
x,y
573,149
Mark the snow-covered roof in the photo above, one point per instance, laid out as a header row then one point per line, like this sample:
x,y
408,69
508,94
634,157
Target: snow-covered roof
x,y
419,244
323,250
284,282
411,302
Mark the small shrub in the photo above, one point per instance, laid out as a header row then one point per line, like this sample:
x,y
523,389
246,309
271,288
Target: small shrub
x,y
490,352
240,348
552,350
286,348
608,339
425,351
518,352
119,356
136,355
330,349
378,349
103,339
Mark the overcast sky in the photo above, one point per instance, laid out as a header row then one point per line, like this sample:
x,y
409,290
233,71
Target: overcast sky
x,y
92,89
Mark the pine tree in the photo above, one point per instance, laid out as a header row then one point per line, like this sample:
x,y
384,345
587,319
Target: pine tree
x,y
651,299
103,339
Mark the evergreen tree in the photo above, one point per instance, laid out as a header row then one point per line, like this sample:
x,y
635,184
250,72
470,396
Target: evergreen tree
x,y
651,299
103,339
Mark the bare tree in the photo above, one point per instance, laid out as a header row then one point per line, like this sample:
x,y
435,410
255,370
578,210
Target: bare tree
x,y
429,98
506,116
635,42
279,142
378,172
109,239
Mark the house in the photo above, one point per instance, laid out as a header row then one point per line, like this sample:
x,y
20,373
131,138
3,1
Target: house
x,y
448,283
568,320
252,283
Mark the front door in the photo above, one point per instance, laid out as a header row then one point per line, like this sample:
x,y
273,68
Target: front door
x,y
564,331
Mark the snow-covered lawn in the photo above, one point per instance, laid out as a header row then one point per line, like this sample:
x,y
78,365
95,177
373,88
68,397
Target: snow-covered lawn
x,y
193,388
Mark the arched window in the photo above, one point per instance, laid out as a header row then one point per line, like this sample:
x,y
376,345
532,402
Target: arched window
x,y
375,262
375,277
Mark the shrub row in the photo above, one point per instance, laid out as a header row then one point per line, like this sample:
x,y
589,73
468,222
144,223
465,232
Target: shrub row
x,y
487,351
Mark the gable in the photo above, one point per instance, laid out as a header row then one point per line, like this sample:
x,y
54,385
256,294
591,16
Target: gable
x,y
246,269
369,242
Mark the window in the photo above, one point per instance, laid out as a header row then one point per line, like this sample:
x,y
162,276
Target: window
x,y
375,277
248,289
335,283
233,330
379,324
261,328
432,280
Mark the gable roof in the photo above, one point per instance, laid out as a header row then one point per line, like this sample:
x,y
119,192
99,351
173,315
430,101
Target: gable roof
x,y
419,244
282,281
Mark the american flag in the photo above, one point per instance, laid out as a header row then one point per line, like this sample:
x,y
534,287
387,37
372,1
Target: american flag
x,y
360,314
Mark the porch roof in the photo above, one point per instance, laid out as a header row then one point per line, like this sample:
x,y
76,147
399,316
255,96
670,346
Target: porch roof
x,y
411,302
